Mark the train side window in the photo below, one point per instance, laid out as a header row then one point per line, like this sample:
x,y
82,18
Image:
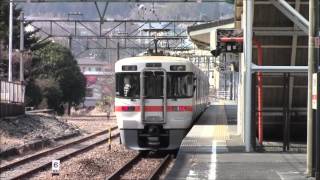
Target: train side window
x,y
180,85
128,85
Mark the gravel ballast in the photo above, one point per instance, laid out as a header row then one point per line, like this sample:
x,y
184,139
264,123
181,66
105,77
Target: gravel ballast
x,y
97,163
17,131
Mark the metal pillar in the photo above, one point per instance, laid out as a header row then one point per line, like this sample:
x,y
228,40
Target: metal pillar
x,y
291,13
285,111
293,56
248,11
10,41
254,112
21,46
315,10
70,42
231,85
240,113
208,66
118,50
311,70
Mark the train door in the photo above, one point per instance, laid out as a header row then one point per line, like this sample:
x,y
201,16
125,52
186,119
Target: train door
x,y
153,85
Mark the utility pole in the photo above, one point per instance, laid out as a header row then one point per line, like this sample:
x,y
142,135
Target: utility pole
x,y
21,46
70,43
316,55
313,137
309,101
118,51
10,41
248,12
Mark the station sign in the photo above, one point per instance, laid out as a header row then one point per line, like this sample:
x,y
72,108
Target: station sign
x,y
314,91
55,167
228,41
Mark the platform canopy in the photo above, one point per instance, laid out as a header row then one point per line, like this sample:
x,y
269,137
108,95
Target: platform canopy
x,y
203,35
130,1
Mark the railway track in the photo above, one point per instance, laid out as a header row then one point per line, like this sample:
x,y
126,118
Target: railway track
x,y
88,118
154,174
30,165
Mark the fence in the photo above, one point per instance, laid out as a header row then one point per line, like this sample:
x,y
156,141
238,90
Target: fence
x,y
223,95
11,98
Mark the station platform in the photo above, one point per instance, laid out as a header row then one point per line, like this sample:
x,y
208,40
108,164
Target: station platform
x,y
213,150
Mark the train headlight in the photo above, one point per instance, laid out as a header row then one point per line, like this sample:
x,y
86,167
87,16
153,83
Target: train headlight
x,y
126,108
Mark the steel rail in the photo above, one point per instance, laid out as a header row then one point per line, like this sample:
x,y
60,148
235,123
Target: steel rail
x,y
155,174
54,150
162,166
89,119
126,167
104,117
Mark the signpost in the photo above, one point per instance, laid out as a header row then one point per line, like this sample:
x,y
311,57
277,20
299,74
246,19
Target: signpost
x,y
317,58
314,91
55,167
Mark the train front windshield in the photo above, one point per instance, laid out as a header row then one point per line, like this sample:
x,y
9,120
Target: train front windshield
x,y
128,85
179,85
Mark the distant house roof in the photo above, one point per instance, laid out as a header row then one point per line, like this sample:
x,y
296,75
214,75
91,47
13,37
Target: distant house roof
x,y
96,73
90,61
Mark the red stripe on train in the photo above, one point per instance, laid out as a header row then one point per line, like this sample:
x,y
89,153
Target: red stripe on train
x,y
153,108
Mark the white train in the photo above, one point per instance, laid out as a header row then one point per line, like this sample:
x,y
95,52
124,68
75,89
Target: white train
x,y
157,100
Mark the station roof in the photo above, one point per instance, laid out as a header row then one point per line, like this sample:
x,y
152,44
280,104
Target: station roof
x,y
200,34
284,43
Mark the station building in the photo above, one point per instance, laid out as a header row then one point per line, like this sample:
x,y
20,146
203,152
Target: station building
x,y
100,80
222,70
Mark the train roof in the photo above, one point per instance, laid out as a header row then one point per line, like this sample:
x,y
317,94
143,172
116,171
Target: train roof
x,y
166,61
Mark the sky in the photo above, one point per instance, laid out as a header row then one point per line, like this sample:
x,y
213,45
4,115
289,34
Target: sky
x,y
205,11
121,11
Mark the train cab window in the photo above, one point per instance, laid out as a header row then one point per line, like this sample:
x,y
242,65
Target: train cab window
x,y
128,85
153,82
180,85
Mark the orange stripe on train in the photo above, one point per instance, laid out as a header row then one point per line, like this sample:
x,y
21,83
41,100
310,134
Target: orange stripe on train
x,y
153,108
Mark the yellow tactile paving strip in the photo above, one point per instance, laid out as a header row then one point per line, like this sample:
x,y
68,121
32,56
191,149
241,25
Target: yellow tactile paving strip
x,y
211,127
216,132
220,132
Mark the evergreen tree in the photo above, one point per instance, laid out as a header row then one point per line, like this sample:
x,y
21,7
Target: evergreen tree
x,y
31,41
57,63
53,77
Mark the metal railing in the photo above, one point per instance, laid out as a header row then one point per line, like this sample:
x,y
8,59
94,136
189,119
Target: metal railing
x,y
223,95
12,92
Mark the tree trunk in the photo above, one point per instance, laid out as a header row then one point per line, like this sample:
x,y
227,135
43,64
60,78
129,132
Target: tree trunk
x,y
69,108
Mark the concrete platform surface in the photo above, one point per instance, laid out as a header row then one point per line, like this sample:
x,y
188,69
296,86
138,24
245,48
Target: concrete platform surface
x,y
213,150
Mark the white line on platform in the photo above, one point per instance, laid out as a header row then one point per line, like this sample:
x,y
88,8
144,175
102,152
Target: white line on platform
x,y
213,165
287,175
